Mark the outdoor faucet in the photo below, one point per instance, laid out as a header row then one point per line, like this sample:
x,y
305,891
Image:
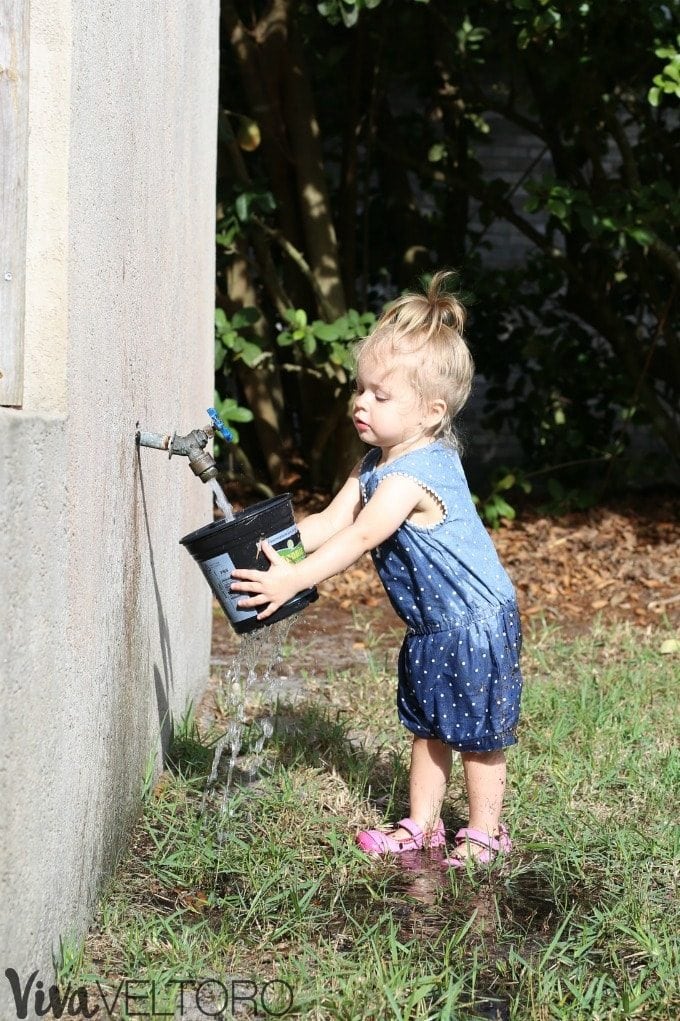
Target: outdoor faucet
x,y
192,445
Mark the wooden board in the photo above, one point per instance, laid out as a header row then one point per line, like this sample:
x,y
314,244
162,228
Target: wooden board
x,y
14,35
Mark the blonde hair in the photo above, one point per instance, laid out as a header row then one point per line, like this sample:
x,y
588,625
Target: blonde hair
x,y
426,332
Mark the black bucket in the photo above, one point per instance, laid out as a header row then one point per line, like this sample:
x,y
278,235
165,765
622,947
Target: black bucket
x,y
223,545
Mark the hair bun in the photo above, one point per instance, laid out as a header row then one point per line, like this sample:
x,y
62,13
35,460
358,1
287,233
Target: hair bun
x,y
446,308
426,313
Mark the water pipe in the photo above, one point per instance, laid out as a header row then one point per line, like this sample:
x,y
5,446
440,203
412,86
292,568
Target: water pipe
x,y
192,445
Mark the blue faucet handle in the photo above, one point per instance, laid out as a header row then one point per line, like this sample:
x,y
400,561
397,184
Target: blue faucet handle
x,y
219,426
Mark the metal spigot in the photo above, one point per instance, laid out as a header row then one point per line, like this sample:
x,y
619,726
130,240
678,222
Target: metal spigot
x,y
192,445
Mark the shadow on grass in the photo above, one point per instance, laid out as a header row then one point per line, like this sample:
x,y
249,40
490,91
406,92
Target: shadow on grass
x,y
526,896
510,908
313,736
189,755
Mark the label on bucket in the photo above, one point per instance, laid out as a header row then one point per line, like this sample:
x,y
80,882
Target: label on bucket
x,y
288,544
218,572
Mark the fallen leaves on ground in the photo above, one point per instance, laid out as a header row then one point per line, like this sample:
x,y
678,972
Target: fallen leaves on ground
x,y
622,561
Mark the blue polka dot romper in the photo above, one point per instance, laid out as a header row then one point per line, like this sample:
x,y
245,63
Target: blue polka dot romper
x,y
459,674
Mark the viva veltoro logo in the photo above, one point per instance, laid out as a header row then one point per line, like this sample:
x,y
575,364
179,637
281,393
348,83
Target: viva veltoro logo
x,y
139,998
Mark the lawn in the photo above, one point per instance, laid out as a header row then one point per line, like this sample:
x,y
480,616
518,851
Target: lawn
x,y
268,897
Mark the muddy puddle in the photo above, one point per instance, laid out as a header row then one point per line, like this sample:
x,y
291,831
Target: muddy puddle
x,y
489,917
424,898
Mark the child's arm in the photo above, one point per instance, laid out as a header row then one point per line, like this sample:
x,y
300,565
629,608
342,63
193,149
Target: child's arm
x,y
316,529
393,501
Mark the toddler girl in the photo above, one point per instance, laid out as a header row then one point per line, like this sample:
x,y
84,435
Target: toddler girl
x,y
408,503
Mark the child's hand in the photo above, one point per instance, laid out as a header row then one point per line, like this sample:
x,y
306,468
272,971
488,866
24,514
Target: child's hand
x,y
274,586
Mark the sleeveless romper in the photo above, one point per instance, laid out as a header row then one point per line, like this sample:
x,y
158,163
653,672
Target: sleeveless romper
x,y
459,674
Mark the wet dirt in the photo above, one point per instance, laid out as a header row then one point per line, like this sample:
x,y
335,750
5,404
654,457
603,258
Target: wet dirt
x,y
495,913
329,639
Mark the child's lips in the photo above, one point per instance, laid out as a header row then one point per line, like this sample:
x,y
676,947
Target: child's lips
x,y
359,424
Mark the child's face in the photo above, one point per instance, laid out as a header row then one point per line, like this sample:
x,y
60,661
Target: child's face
x,y
387,410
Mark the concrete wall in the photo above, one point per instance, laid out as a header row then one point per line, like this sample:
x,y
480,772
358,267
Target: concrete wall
x,y
104,618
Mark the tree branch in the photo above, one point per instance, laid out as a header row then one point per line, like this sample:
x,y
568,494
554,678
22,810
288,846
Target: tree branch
x,y
666,255
298,258
482,193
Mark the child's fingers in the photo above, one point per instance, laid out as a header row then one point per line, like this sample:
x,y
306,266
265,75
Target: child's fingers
x,y
268,612
246,586
252,602
246,575
272,556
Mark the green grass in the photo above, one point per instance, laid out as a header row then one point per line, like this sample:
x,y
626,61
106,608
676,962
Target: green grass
x,y
582,924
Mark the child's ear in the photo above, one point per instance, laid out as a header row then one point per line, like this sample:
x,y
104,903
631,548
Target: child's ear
x,y
437,411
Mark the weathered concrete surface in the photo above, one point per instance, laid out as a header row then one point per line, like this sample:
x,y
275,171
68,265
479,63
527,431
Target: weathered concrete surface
x,y
104,618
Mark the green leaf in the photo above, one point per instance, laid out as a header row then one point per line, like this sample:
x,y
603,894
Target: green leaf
x,y
437,152
507,482
642,236
503,508
220,319
309,343
558,208
325,331
228,337
267,202
351,16
226,238
238,414
549,19
245,317
241,207
338,354
251,354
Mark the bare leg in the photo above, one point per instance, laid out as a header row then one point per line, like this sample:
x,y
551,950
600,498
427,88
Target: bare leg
x,y
485,784
430,769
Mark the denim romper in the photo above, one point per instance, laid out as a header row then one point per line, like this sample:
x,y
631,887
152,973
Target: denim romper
x,y
459,674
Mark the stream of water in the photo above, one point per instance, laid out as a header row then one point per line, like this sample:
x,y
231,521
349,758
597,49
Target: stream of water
x,y
253,668
221,500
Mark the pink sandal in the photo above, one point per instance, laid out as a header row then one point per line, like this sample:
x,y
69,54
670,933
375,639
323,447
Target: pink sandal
x,y
378,842
492,846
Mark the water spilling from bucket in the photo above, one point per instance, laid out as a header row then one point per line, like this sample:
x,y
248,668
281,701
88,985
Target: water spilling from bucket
x,y
221,500
253,666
